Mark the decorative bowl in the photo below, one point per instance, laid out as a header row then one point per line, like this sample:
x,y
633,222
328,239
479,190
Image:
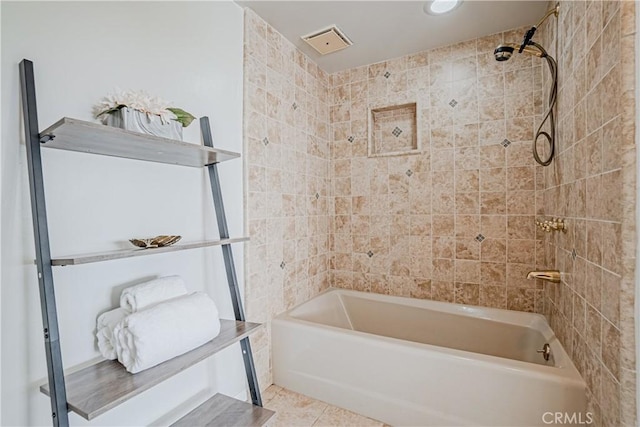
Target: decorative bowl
x,y
155,242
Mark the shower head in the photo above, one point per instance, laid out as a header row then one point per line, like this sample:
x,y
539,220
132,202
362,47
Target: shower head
x,y
503,53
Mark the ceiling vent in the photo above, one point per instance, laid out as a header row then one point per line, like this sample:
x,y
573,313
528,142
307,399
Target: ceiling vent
x,y
328,40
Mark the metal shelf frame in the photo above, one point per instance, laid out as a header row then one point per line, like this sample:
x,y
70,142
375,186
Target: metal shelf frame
x,y
34,141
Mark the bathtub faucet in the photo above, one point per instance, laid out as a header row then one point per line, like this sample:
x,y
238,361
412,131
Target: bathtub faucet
x,y
548,275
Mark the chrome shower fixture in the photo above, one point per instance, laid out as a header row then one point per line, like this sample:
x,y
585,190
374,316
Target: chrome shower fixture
x,y
504,52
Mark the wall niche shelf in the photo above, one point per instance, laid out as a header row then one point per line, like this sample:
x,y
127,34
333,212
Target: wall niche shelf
x,y
393,130
94,390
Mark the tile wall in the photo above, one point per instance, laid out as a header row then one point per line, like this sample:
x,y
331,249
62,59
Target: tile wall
x,y
591,183
287,146
454,222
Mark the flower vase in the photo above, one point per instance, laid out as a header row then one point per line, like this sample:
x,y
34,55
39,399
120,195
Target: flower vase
x,y
137,121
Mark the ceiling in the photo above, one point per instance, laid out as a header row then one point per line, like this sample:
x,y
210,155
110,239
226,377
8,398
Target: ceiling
x,y
386,29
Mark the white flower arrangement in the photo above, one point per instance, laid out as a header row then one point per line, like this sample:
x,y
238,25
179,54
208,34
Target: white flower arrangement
x,y
143,102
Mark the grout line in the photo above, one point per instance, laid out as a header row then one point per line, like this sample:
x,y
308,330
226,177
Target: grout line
x,y
321,414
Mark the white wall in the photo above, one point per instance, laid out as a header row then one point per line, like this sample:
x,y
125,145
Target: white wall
x,y
187,52
0,231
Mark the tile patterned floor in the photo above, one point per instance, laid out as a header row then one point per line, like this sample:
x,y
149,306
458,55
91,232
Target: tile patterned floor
x,y
296,410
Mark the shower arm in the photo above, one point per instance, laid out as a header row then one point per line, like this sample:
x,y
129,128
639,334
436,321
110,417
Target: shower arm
x,y
529,34
555,11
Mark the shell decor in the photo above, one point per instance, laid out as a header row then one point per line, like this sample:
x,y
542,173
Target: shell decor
x,y
155,242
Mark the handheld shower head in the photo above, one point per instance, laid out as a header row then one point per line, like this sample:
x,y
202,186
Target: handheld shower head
x,y
503,53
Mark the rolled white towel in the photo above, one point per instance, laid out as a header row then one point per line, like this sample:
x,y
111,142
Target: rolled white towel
x,y
149,337
104,331
146,294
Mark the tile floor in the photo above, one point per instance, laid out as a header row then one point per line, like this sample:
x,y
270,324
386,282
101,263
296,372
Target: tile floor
x,y
296,410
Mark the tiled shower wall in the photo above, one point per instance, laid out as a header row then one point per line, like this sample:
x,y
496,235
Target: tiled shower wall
x,y
454,222
591,183
287,164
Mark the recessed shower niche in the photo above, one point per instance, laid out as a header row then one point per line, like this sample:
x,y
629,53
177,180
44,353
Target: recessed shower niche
x,y
393,130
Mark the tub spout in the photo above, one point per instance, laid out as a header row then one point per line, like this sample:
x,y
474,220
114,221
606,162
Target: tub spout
x,y
548,275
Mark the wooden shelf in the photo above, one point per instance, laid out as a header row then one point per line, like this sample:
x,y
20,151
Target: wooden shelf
x,y
225,411
94,138
103,386
136,252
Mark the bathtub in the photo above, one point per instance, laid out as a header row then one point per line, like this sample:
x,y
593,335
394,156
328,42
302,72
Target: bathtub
x,y
414,362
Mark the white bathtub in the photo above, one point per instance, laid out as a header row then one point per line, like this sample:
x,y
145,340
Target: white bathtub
x,y
414,362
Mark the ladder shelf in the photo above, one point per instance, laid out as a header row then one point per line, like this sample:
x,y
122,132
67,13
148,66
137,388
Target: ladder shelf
x,y
94,390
